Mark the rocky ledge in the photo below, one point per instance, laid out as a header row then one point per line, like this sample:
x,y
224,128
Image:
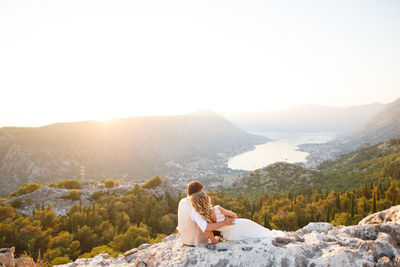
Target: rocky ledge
x,y
374,242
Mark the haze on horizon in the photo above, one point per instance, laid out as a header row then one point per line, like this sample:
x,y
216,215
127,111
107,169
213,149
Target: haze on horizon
x,y
97,60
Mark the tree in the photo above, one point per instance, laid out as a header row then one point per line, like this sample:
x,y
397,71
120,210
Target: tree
x,y
129,240
109,183
69,184
6,212
25,189
167,224
153,182
16,203
87,238
74,194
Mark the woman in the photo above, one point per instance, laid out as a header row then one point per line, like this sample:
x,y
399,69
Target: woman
x,y
242,229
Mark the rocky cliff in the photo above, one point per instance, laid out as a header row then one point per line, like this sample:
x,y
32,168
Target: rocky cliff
x,y
374,242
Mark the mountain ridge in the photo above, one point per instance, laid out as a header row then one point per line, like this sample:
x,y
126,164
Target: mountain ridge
x,y
121,148
307,118
384,126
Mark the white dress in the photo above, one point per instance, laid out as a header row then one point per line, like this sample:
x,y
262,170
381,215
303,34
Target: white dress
x,y
243,229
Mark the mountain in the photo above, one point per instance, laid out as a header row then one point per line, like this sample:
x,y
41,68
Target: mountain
x,y
307,118
120,148
374,242
384,126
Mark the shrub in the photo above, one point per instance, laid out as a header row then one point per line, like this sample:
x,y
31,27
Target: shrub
x,y
69,184
60,260
109,183
25,189
6,212
100,250
63,239
167,224
73,194
16,203
96,195
153,182
53,184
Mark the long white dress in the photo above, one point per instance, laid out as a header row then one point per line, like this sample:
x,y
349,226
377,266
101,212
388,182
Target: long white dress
x,y
243,229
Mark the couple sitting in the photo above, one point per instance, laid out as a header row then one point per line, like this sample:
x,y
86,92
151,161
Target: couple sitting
x,y
197,219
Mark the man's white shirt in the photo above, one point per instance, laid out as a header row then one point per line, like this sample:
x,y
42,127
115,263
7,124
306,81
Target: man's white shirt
x,y
198,219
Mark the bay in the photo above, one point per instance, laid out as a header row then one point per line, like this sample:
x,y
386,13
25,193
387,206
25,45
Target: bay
x,y
283,148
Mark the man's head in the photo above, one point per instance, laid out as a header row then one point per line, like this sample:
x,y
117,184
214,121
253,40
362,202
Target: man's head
x,y
194,187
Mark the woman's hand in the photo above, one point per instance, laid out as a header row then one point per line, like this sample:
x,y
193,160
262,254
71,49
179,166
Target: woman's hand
x,y
216,240
228,213
213,239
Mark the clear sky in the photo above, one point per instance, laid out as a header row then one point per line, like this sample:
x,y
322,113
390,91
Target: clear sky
x,y
70,60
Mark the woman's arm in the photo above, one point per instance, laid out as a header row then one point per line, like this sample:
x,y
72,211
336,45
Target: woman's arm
x,y
228,213
212,237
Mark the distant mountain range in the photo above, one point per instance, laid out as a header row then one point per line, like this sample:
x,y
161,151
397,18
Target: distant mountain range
x,y
307,118
383,126
120,148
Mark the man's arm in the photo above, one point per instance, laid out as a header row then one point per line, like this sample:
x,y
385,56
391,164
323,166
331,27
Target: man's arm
x,y
213,226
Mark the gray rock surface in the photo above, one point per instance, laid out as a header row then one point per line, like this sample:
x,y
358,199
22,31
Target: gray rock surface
x,y
391,215
317,244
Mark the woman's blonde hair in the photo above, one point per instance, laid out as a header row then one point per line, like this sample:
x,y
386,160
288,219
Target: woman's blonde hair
x,y
202,204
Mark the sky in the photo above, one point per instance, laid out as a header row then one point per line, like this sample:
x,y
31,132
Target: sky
x,y
72,60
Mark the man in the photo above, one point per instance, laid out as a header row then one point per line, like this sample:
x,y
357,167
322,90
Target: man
x,y
193,229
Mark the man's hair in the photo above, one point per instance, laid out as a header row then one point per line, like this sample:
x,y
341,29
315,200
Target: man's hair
x,y
194,187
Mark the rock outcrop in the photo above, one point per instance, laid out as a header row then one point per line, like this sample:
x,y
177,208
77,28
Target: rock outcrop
x,y
391,215
374,242
7,259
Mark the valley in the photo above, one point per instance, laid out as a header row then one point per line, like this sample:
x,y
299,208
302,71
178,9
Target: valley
x,y
59,196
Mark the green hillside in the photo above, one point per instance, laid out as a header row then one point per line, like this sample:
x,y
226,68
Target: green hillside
x,y
364,165
277,177
348,171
